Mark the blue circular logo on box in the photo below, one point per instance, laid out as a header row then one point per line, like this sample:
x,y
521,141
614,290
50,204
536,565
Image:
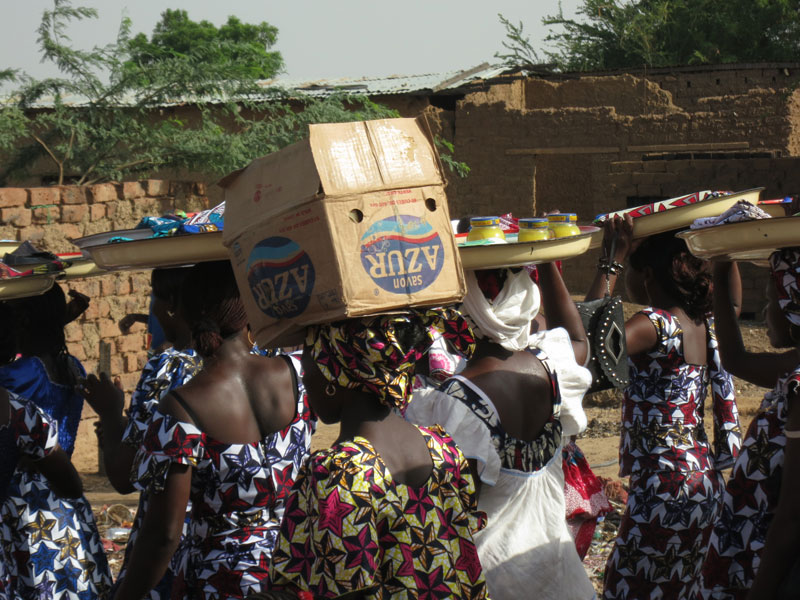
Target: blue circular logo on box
x,y
281,277
402,254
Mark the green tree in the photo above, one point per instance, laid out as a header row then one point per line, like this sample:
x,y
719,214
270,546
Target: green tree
x,y
618,34
176,35
97,121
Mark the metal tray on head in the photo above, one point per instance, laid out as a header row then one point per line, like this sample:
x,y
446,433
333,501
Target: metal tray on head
x,y
519,254
151,253
751,241
28,285
679,212
99,239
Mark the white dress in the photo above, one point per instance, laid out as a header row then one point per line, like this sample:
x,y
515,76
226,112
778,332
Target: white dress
x,y
526,549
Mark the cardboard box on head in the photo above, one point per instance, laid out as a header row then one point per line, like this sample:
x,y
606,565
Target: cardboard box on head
x,y
349,222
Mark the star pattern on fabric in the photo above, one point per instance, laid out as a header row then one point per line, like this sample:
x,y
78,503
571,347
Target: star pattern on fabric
x,y
329,554
41,529
38,497
332,511
68,581
234,489
361,550
423,545
62,516
761,454
69,546
468,561
363,532
241,466
42,559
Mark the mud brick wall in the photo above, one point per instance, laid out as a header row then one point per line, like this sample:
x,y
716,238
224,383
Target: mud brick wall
x,y
49,217
595,143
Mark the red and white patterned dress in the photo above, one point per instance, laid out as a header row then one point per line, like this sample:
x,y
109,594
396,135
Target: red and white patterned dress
x,y
675,479
750,499
238,497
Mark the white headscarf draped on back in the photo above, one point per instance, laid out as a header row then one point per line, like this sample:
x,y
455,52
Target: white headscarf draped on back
x,y
505,320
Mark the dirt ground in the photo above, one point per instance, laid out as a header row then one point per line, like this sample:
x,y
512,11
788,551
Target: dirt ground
x,y
600,444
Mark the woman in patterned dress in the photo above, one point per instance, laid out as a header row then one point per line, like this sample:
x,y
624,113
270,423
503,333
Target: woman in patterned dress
x,y
675,478
36,520
231,441
755,539
121,437
390,509
28,434
509,411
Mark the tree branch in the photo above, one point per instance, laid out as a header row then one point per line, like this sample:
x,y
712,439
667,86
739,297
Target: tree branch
x,y
59,164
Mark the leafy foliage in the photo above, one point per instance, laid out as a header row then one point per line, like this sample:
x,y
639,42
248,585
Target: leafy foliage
x,y
176,35
614,34
517,48
446,150
109,117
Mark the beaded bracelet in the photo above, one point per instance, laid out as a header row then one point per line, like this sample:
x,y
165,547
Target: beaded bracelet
x,y
610,268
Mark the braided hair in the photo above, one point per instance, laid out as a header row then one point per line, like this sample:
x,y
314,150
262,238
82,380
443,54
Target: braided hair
x,y
41,319
688,279
211,305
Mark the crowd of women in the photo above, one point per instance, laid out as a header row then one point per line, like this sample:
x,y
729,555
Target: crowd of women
x,y
457,424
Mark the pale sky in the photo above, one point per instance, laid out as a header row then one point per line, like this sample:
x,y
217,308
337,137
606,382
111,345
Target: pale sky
x,y
318,39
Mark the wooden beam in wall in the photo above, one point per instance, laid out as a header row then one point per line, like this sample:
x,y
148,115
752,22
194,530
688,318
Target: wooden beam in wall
x,y
690,147
570,150
719,146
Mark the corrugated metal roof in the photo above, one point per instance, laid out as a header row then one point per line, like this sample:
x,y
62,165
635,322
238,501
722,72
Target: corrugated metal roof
x,y
424,84
392,84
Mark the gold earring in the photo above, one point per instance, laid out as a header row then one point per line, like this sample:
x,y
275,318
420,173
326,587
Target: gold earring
x,y
250,338
330,390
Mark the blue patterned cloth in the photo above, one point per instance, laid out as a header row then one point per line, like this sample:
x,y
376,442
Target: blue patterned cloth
x,y
52,545
28,378
163,373
33,434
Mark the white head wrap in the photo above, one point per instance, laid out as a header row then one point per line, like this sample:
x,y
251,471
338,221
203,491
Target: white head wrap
x,y
505,320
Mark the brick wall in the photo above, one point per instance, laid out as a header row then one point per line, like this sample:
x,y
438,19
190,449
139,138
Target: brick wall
x,y
49,217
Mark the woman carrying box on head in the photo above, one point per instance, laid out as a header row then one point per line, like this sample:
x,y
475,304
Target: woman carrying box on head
x,y
756,540
232,441
675,477
390,509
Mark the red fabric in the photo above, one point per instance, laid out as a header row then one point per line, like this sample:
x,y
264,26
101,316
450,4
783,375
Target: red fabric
x,y
584,497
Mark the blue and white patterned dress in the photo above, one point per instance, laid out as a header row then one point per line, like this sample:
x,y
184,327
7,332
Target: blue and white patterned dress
x,y
164,372
53,542
30,433
238,495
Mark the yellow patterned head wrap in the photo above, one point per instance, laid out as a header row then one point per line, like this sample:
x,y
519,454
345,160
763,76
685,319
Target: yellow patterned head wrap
x,y
378,354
